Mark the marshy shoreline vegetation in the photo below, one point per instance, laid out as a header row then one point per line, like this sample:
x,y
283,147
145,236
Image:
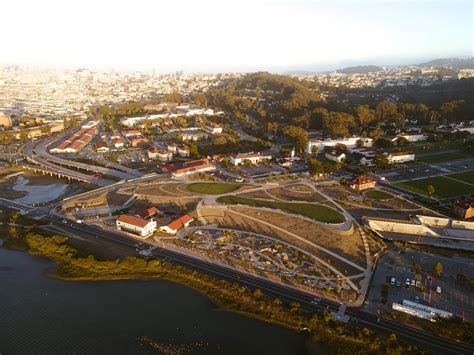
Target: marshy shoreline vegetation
x,y
326,334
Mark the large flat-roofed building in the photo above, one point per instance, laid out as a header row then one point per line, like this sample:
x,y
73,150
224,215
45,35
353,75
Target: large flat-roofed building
x,y
420,310
400,157
317,146
254,158
414,137
136,225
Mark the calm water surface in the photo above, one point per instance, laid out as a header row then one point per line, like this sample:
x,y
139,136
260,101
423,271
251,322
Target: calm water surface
x,y
39,315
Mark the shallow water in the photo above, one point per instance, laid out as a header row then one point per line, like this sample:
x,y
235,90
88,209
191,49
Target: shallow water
x,y
38,193
46,316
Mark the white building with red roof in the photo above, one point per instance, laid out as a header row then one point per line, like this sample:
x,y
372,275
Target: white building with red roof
x,y
213,127
136,225
173,227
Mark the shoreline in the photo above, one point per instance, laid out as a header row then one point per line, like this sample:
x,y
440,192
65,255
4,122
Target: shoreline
x,y
322,330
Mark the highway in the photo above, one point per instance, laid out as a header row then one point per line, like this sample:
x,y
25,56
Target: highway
x,y
58,170
422,339
37,153
41,150
358,316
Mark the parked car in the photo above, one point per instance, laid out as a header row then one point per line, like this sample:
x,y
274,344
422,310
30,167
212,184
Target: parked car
x,y
407,283
413,282
438,289
392,281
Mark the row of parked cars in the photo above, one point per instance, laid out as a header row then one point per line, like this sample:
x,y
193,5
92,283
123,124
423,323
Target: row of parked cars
x,y
410,282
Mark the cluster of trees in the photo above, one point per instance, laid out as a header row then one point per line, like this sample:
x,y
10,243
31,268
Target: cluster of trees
x,y
317,166
326,331
271,103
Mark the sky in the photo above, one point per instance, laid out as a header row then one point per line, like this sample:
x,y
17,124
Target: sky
x,y
248,35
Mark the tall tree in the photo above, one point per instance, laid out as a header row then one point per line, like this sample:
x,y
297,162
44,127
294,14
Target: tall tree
x,y
298,135
365,115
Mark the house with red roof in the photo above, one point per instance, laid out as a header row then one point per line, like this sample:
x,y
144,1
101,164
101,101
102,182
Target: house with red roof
x,y
136,225
173,227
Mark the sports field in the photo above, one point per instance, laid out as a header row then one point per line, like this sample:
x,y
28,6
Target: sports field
x,y
444,187
467,176
441,157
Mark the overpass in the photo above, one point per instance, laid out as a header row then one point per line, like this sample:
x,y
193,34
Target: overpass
x,y
43,166
37,154
41,150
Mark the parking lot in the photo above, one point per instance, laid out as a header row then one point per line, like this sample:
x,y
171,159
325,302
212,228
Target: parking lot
x,y
399,264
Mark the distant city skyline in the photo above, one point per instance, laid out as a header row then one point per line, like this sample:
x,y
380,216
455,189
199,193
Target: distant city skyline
x,y
212,36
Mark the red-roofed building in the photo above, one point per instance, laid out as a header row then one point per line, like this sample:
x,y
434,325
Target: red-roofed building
x,y
362,182
213,128
176,225
149,212
195,166
136,225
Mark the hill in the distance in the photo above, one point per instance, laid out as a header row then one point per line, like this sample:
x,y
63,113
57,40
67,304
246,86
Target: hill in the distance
x,y
360,69
454,63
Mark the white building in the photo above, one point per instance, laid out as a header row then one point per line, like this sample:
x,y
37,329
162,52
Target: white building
x,y
414,137
420,310
400,157
173,227
254,158
183,151
213,128
136,225
335,156
351,142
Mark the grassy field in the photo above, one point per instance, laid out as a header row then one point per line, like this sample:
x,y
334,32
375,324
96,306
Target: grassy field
x,y
467,176
378,195
444,187
212,188
317,212
441,157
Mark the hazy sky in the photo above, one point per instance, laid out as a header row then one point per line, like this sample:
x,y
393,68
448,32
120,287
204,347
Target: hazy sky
x,y
205,35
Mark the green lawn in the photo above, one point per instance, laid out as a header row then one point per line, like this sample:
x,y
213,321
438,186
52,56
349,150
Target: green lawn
x,y
467,176
317,212
441,157
212,188
378,195
444,188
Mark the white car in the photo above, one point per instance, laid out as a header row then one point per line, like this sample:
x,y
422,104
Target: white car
x,y
392,281
438,289
413,282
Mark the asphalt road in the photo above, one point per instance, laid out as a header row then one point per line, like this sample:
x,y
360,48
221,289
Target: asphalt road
x,y
357,316
422,339
48,166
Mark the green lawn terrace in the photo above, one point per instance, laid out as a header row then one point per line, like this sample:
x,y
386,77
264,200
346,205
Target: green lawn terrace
x,y
378,195
316,212
211,188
